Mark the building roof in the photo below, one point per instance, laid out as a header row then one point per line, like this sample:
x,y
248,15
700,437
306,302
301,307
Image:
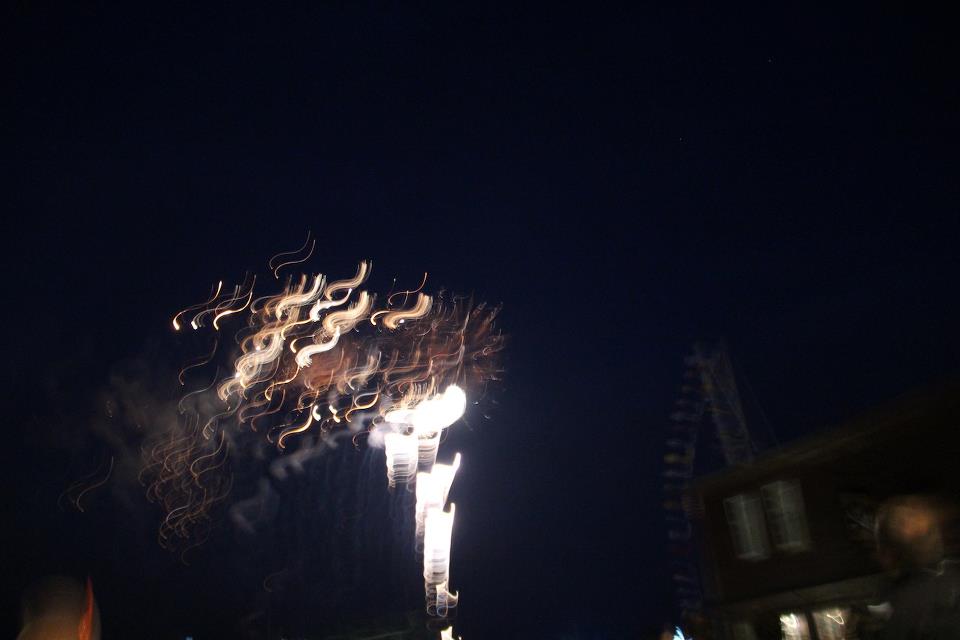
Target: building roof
x,y
925,410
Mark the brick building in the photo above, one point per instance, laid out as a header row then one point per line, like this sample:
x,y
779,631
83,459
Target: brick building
x,y
787,541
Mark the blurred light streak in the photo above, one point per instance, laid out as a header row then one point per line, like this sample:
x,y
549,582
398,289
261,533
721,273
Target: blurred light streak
x,y
433,487
402,457
402,378
438,528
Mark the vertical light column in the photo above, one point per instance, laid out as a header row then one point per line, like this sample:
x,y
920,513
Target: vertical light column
x,y
402,456
438,527
433,487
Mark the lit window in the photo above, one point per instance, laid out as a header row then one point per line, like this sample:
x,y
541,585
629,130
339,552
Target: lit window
x,y
831,624
788,523
793,626
747,528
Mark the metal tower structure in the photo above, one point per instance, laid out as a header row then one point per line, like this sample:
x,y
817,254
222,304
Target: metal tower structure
x,y
709,389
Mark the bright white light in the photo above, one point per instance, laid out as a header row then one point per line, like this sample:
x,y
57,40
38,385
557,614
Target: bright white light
x,y
428,445
431,416
447,634
436,544
831,623
438,526
434,525
794,627
402,457
432,490
399,416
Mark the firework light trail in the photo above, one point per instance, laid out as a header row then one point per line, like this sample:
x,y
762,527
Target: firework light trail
x,y
317,359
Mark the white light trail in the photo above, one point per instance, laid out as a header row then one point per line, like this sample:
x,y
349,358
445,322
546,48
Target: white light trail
x,y
438,527
447,634
304,360
402,456
433,488
438,413
305,355
427,446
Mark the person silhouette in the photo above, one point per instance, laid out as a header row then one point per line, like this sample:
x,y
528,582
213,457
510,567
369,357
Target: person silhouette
x,y
925,596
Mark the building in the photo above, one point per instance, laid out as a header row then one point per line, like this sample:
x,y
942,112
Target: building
x,y
787,541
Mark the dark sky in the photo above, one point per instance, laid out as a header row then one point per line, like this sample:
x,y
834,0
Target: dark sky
x,y
625,181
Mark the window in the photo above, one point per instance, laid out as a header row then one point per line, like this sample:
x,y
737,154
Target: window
x,y
831,624
794,626
747,527
783,501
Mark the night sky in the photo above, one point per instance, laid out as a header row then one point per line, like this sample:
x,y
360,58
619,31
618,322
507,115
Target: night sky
x,y
624,181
